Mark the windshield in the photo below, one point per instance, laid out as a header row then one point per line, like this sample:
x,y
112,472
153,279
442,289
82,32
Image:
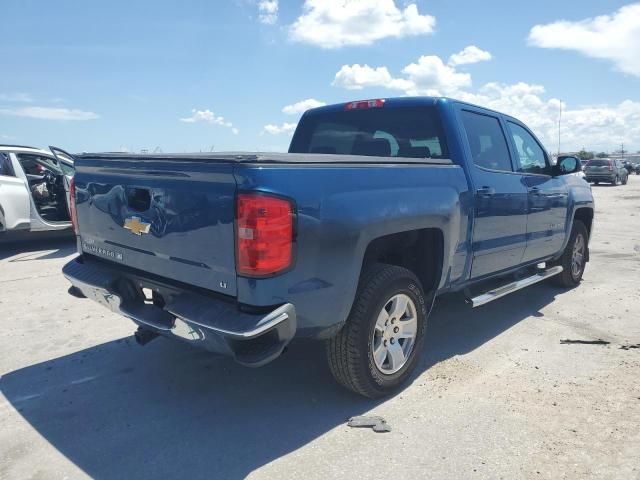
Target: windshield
x,y
414,132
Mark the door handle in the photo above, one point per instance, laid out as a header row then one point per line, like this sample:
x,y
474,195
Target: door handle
x,y
486,191
535,191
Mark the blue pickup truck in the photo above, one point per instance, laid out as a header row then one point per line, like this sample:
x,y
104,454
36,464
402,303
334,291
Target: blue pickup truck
x,y
378,207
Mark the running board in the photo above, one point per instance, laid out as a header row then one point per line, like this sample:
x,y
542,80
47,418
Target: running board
x,y
499,292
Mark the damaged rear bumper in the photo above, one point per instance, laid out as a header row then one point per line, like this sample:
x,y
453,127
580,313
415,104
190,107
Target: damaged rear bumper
x,y
212,323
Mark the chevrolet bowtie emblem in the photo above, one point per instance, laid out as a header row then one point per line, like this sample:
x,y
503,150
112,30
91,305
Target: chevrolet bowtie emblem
x,y
136,225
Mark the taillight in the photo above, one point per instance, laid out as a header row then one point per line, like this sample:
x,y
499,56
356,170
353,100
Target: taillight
x,y
264,234
72,205
360,104
610,167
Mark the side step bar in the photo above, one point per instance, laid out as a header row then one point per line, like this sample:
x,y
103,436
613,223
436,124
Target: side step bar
x,y
499,292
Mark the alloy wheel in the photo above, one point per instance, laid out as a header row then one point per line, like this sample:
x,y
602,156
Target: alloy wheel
x,y
394,334
577,257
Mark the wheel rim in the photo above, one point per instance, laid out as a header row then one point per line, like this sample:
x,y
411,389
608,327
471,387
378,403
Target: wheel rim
x,y
577,258
394,334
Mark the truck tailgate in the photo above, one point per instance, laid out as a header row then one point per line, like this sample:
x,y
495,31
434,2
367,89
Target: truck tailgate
x,y
173,218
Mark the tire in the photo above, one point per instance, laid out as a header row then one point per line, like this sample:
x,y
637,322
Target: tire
x,y
351,352
570,278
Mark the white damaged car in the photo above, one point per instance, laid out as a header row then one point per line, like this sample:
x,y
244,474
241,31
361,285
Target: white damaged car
x,y
34,189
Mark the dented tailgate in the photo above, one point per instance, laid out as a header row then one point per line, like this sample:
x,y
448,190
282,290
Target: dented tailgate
x,y
173,218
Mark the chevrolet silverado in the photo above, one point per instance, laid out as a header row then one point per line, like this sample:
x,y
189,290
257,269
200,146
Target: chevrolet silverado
x,y
378,207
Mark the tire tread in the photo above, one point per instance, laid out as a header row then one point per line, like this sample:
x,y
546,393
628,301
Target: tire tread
x,y
565,279
343,354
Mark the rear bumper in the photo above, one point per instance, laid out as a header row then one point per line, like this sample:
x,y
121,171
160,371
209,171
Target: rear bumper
x,y
590,177
204,321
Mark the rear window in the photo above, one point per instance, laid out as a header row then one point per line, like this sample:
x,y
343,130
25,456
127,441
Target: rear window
x,y
598,163
414,132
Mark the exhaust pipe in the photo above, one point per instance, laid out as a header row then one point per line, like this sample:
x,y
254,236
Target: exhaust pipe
x,y
144,336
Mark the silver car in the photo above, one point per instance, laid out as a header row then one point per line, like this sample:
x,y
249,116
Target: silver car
x,y
34,189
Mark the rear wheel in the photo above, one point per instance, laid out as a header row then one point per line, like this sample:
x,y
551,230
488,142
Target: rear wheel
x,y
574,257
378,347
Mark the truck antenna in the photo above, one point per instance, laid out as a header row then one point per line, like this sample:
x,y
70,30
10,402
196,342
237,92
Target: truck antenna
x,y
559,126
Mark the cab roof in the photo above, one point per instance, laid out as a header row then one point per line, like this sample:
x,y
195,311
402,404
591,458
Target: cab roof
x,y
394,102
22,148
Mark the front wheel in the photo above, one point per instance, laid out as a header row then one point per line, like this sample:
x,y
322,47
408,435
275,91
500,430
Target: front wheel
x,y
378,347
574,257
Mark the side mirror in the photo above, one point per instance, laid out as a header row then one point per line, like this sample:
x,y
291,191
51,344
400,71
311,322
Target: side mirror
x,y
568,165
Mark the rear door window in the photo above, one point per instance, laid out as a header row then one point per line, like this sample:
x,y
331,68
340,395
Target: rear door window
x,y
487,141
67,169
414,132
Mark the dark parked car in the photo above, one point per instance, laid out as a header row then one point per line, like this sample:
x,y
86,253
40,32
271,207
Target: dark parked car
x,y
632,167
606,170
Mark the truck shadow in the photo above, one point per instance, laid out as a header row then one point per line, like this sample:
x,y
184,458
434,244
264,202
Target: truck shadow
x,y
117,410
455,328
37,247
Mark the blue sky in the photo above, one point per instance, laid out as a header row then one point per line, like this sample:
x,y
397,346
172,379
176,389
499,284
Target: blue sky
x,y
111,75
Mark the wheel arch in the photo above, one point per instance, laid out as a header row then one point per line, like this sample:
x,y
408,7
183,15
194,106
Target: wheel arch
x,y
421,251
585,215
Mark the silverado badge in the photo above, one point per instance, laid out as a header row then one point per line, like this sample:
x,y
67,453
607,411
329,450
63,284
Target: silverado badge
x,y
136,225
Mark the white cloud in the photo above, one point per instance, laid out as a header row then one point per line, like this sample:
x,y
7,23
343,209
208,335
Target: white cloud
x,y
47,113
16,97
597,127
613,37
205,116
428,76
338,23
208,116
470,54
302,106
357,77
272,129
268,11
